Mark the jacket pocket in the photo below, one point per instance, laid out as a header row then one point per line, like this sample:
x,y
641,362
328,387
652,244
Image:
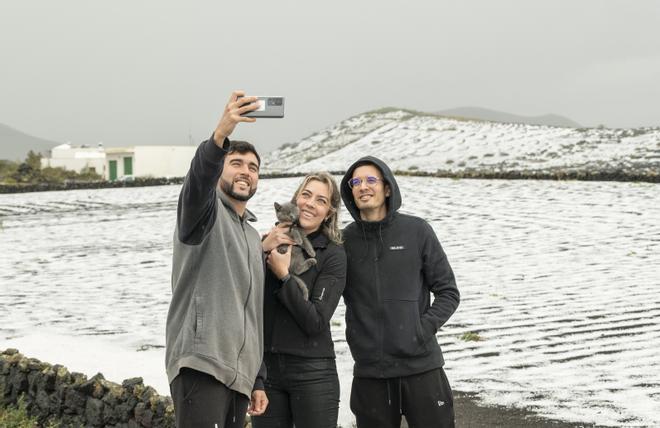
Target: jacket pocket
x,y
362,327
402,335
199,320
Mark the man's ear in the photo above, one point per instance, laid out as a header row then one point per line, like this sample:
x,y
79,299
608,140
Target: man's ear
x,y
387,191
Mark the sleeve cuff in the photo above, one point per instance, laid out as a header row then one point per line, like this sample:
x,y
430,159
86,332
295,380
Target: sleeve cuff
x,y
258,385
281,283
213,152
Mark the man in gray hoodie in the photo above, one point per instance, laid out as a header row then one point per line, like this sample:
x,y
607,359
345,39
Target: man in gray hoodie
x,y
214,333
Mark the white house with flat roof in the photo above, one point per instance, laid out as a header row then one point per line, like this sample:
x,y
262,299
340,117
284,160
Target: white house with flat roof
x,y
118,163
76,158
147,161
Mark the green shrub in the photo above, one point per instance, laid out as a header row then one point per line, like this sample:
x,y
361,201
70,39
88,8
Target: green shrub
x,y
17,417
471,336
30,171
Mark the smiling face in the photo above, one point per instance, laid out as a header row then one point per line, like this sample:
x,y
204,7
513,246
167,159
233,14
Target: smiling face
x,y
313,201
240,175
370,199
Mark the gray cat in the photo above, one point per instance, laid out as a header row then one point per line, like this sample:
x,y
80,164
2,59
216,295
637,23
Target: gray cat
x,y
288,213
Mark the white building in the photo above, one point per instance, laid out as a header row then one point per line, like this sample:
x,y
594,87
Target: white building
x,y
116,163
148,161
76,158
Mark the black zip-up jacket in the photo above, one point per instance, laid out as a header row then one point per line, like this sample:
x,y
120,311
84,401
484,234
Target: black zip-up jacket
x,y
301,327
394,265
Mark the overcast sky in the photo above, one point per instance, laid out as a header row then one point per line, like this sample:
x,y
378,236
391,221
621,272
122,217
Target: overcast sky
x,y
153,72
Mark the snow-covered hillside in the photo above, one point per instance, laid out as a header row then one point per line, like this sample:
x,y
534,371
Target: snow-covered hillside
x,y
427,143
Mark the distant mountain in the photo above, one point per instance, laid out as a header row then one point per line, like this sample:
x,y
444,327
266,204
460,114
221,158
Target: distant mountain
x,y
429,143
499,116
14,144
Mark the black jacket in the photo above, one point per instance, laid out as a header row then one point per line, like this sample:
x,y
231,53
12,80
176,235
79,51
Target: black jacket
x,y
393,267
299,327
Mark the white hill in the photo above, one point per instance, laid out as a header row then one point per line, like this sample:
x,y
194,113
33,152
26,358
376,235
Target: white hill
x,y
433,144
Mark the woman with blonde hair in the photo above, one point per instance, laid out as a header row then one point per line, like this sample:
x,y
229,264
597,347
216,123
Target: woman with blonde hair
x,y
302,383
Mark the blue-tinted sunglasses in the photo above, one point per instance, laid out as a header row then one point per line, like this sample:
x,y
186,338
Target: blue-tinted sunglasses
x,y
369,179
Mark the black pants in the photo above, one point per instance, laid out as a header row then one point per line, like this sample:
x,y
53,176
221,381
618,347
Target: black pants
x,y
425,399
301,391
201,401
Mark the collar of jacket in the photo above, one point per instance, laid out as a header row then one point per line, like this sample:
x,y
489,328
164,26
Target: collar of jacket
x,y
247,216
318,239
376,225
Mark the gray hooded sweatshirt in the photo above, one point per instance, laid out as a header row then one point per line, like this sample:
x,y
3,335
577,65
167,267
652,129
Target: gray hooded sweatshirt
x,y
215,320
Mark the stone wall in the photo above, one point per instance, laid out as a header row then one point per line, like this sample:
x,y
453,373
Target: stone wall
x,y
51,392
649,175
74,185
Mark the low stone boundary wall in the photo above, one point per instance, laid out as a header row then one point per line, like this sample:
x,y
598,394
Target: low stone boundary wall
x,y
650,175
74,185
51,392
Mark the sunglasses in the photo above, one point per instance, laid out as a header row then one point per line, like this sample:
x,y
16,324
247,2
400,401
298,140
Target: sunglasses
x,y
370,180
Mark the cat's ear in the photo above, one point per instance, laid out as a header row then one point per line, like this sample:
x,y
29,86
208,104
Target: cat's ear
x,y
277,206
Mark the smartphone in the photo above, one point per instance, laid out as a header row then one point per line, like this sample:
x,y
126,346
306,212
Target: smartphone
x,y
268,107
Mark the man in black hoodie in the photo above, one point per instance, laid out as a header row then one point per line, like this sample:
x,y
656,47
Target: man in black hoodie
x,y
395,262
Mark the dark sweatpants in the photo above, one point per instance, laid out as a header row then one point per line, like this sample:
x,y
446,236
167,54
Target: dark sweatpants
x,y
201,401
425,399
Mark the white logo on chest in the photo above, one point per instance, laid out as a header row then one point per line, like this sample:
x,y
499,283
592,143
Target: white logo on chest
x,y
397,247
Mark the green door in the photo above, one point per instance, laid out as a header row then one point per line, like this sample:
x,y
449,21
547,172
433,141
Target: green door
x,y
128,166
113,169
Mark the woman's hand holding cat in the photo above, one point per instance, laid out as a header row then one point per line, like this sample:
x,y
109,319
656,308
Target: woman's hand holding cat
x,y
276,237
279,263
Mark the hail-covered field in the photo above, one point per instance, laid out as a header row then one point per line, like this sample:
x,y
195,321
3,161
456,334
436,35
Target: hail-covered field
x,y
415,142
559,284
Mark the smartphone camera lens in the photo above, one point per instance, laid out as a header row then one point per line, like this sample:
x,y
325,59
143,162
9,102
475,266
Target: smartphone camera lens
x,y
274,101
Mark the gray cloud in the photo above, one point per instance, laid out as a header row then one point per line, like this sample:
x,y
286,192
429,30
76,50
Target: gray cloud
x,y
154,72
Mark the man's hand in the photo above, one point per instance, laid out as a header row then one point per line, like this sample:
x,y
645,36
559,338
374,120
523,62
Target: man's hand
x,y
258,403
232,115
279,263
276,237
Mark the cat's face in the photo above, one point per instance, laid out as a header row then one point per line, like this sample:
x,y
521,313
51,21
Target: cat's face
x,y
286,213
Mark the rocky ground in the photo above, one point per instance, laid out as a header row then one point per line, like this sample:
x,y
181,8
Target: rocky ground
x,y
471,414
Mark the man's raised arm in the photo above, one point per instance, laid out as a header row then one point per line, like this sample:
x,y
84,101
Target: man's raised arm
x,y
197,201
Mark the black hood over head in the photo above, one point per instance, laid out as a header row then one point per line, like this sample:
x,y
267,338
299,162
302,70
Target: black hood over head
x,y
393,201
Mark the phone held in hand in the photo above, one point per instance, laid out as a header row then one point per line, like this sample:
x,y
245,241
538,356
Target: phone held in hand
x,y
268,107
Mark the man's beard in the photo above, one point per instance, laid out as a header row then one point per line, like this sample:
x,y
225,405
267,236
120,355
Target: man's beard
x,y
228,188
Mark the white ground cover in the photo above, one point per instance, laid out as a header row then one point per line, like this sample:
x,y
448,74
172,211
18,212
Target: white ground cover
x,y
559,279
429,143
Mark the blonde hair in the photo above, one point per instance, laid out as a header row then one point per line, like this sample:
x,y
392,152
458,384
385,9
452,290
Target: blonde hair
x,y
330,226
